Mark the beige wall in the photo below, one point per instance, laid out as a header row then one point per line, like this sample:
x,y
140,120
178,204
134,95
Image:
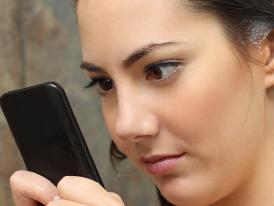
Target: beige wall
x,y
39,42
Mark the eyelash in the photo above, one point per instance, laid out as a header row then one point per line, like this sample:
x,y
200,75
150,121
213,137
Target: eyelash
x,y
173,65
96,81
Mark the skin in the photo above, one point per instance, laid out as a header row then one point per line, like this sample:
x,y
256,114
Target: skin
x,y
216,107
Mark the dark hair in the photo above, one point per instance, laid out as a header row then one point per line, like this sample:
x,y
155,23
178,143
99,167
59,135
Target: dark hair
x,y
244,21
115,154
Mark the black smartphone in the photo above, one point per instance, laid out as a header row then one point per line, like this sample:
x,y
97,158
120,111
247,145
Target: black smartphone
x,y
46,132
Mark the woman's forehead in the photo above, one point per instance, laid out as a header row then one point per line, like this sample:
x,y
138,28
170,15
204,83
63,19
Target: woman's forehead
x,y
116,30
102,8
133,3
132,17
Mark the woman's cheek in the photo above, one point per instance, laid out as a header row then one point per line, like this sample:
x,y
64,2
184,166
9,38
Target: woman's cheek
x,y
210,101
209,117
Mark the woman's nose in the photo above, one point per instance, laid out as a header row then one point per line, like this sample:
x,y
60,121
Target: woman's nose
x,y
135,119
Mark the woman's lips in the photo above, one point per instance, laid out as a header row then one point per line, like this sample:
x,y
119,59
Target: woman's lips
x,y
160,164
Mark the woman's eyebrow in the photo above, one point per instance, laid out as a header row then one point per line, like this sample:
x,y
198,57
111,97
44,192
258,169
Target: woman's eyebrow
x,y
131,58
91,67
145,50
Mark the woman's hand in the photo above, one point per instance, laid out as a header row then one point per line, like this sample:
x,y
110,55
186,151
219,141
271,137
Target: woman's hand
x,y
29,188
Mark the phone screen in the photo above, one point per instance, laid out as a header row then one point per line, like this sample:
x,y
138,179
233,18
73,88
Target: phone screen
x,y
47,134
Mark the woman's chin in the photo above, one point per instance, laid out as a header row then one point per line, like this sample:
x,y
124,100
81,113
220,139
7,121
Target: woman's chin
x,y
184,192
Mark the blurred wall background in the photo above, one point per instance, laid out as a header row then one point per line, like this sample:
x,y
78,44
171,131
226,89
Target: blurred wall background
x,y
39,42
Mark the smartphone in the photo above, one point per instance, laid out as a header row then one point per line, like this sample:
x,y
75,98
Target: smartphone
x,y
46,132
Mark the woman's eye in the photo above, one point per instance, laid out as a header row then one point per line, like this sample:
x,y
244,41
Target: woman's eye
x,y
104,84
162,70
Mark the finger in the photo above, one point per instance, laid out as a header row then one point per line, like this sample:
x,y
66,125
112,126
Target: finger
x,y
28,188
82,190
116,197
62,202
85,191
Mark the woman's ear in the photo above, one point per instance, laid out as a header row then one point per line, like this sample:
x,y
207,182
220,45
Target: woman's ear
x,y
269,63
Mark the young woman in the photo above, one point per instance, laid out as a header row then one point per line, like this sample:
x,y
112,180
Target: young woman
x,y
187,95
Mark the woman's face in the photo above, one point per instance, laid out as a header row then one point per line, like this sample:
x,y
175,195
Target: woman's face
x,y
177,98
